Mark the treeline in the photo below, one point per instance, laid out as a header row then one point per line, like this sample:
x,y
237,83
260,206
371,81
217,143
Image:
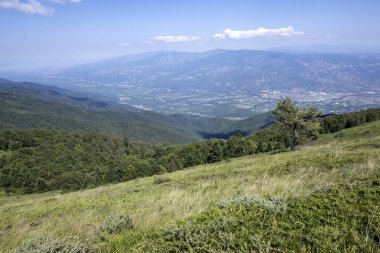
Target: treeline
x,y
279,137
44,160
273,137
335,123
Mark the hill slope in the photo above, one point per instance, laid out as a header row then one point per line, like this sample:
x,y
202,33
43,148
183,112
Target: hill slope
x,y
28,113
349,158
58,95
67,110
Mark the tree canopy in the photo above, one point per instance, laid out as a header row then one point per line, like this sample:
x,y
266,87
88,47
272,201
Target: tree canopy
x,y
298,119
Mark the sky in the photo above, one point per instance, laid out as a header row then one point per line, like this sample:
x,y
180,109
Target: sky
x,y
37,33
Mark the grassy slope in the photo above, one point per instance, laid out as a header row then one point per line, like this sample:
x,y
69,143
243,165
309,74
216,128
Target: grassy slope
x,y
335,158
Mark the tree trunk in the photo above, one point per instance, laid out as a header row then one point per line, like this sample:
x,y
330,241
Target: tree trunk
x,y
295,139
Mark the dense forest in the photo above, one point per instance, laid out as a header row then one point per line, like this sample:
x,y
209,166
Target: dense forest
x,y
44,160
338,122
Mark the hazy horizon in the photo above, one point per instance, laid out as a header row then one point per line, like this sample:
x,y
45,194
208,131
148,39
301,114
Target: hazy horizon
x,y
61,63
56,33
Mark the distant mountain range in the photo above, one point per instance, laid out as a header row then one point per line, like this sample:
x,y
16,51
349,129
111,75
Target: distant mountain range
x,y
28,105
231,84
229,71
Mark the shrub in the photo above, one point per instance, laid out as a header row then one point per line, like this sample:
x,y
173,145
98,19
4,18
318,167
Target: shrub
x,y
15,145
50,245
161,179
274,203
115,224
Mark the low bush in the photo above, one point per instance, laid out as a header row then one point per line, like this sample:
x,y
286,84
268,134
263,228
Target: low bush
x,y
115,224
274,203
49,245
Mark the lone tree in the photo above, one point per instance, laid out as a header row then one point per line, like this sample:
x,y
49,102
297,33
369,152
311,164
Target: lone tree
x,y
297,119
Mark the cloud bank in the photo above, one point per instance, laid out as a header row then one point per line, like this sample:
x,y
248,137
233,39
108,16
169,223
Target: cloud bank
x,y
173,39
260,32
232,34
32,6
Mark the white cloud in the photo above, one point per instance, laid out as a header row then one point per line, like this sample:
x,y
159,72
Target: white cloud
x,y
32,6
180,38
29,7
260,32
126,44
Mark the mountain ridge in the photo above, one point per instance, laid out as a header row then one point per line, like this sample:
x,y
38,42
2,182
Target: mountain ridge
x,y
231,83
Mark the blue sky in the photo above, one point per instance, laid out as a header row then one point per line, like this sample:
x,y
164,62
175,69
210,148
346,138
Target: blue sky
x,y
37,33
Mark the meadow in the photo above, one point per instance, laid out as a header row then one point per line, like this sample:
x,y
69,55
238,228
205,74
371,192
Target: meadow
x,y
153,204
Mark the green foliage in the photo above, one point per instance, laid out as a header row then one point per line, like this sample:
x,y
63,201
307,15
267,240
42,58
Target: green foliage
x,y
345,218
296,119
275,136
44,160
15,145
335,123
280,137
249,183
27,113
216,151
235,146
274,203
41,185
49,245
52,160
146,127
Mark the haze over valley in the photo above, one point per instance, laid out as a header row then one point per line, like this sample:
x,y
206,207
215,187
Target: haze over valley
x,y
230,84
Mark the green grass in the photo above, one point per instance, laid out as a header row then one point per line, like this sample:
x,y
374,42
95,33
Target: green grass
x,y
153,204
344,218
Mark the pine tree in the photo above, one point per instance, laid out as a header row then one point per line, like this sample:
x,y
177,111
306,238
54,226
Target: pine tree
x,y
296,118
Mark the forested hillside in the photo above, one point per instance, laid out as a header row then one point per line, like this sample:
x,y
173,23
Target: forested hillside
x,y
28,113
45,160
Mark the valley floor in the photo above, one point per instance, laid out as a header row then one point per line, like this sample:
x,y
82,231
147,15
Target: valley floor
x,y
155,202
